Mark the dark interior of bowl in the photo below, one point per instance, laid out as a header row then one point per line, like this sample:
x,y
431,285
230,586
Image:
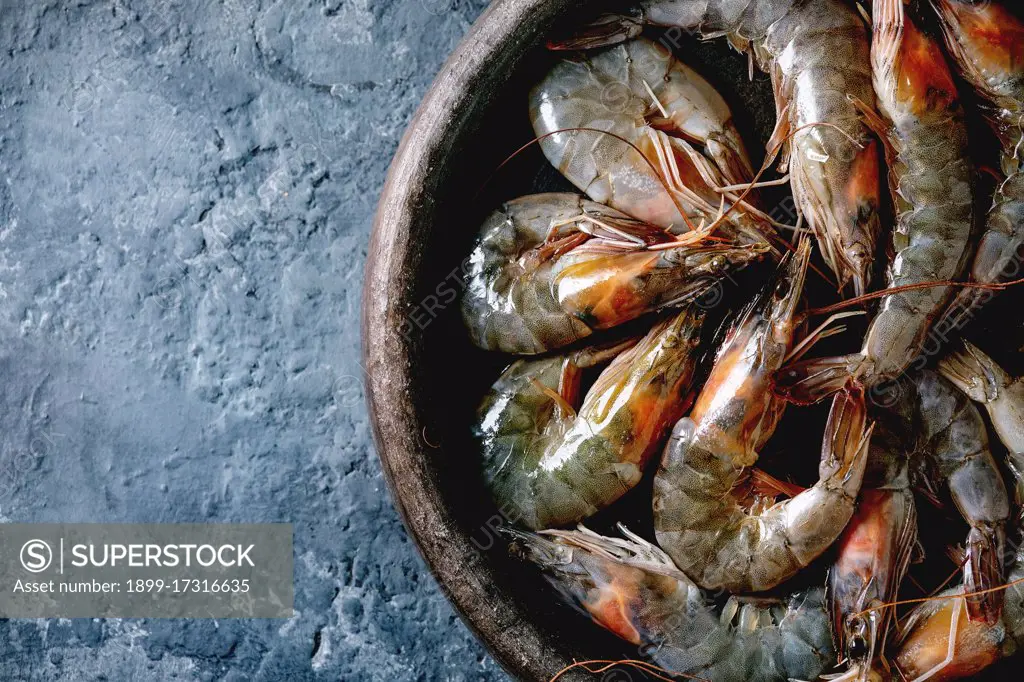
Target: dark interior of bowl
x,y
452,375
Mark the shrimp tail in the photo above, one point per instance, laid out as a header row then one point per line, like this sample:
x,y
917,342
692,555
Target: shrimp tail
x,y
984,571
607,29
973,372
811,381
826,508
847,439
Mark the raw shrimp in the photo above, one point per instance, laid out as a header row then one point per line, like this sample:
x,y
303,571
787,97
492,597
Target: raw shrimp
x,y
931,177
977,375
942,435
641,93
987,42
699,517
956,448
817,55
632,588
874,551
550,269
550,461
940,643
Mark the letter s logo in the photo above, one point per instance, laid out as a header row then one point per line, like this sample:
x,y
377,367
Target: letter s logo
x,y
36,556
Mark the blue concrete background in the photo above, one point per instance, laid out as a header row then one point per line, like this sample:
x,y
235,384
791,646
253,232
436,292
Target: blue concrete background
x,y
186,190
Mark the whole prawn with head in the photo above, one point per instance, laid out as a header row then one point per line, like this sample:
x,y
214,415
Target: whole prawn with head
x,y
818,57
932,181
552,457
632,588
549,270
701,518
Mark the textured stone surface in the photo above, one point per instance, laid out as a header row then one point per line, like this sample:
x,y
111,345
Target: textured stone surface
x,y
185,203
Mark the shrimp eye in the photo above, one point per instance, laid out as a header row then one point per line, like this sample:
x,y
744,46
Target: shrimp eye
x,y
782,289
857,253
858,648
718,264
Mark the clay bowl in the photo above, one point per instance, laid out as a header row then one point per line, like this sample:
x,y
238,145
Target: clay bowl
x,y
425,379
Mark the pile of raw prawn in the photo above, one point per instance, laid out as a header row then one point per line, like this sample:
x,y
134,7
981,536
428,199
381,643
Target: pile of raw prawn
x,y
611,282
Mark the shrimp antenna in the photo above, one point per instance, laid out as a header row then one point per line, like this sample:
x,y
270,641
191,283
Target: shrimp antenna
x,y
912,287
643,666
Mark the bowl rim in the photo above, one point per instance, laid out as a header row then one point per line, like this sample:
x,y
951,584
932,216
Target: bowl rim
x,y
481,63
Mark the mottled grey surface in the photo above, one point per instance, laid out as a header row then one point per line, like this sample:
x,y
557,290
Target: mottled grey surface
x,y
187,189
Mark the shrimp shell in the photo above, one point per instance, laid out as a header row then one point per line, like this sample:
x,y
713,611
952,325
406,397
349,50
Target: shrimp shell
x,y
940,643
932,180
641,93
985,382
700,517
956,447
875,549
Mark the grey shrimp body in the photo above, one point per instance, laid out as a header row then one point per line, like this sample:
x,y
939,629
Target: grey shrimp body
x,y
987,42
553,457
956,448
941,643
978,376
701,515
648,101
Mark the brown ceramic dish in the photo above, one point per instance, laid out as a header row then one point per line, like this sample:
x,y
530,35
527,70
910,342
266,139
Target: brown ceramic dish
x,y
425,382
424,377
